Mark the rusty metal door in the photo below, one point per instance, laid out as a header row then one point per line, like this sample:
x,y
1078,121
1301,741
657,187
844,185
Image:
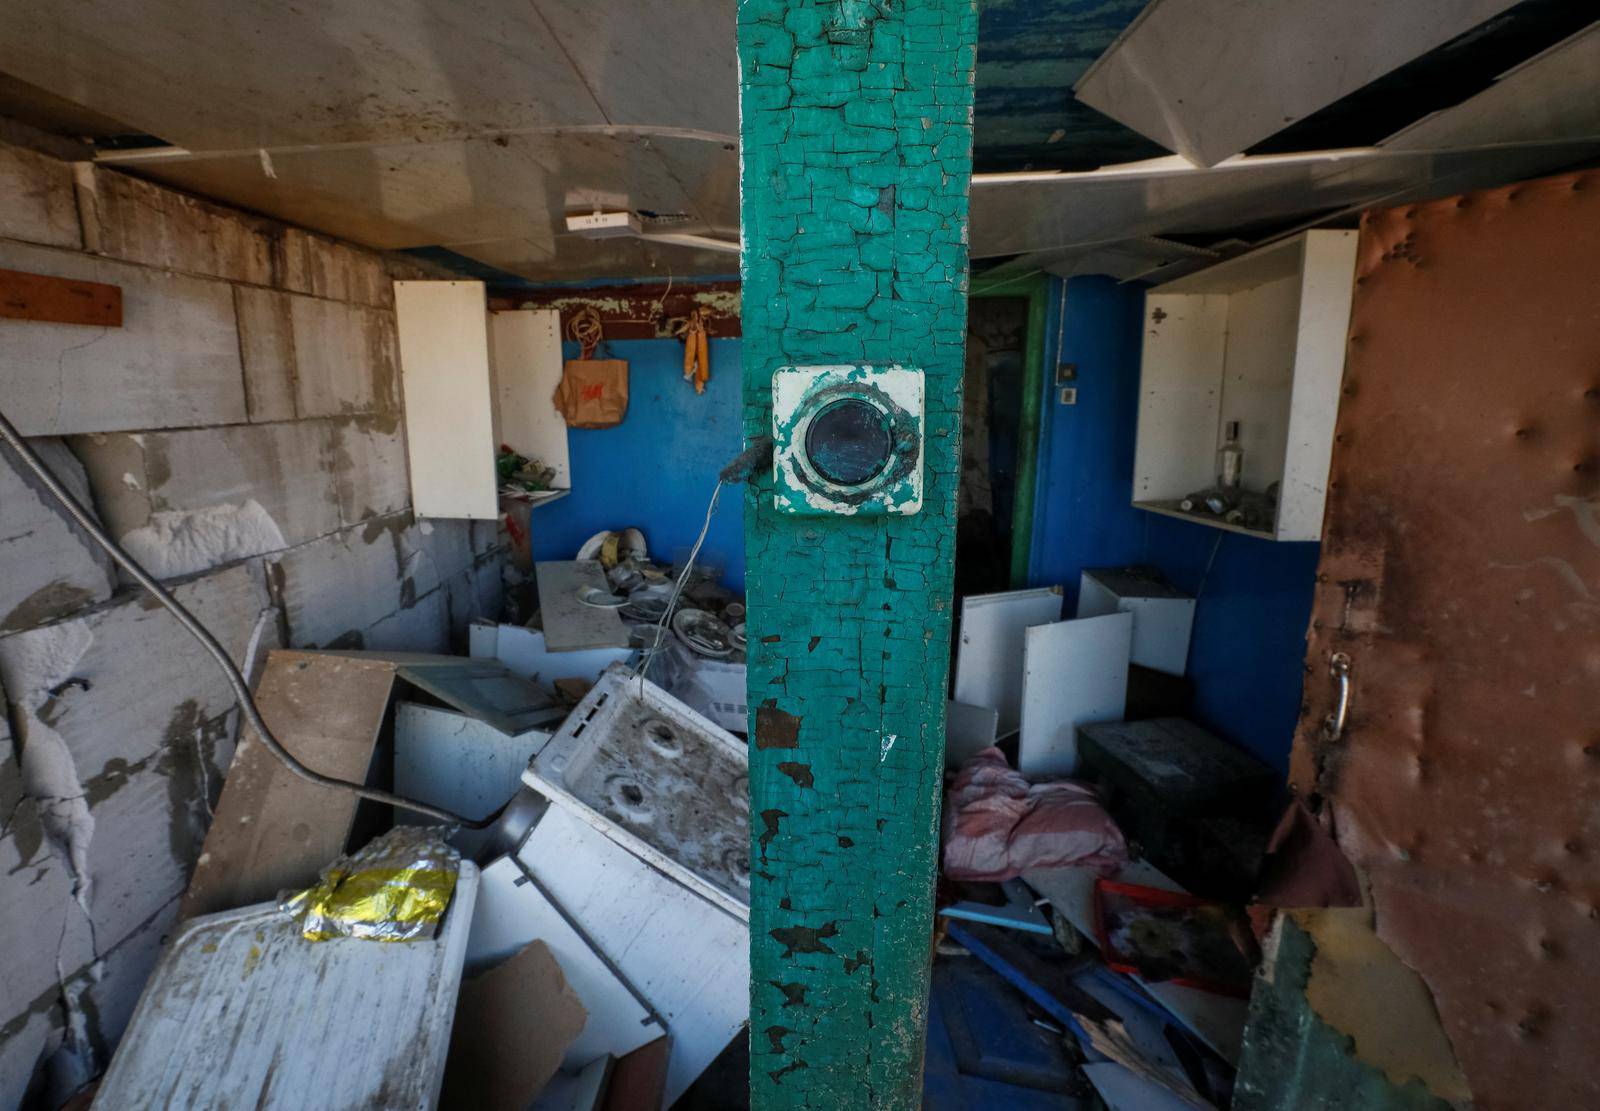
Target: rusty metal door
x,y
1460,580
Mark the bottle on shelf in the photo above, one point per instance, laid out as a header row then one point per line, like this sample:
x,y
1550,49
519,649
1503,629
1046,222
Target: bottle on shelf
x,y
1230,459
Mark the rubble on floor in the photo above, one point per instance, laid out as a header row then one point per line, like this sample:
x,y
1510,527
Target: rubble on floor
x,y
1129,916
590,948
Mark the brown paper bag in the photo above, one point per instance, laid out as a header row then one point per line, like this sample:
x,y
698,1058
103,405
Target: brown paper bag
x,y
593,392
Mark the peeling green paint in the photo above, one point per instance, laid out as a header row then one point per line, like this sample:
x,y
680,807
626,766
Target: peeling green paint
x,y
1292,1058
856,140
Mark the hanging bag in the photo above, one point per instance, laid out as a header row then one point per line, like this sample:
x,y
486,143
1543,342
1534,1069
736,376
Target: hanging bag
x,y
593,392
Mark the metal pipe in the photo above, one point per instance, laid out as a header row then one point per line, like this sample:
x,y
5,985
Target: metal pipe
x,y
241,690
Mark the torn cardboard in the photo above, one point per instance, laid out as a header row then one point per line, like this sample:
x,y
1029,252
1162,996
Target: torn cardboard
x,y
513,1024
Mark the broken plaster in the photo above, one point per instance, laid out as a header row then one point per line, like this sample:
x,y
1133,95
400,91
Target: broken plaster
x,y
184,542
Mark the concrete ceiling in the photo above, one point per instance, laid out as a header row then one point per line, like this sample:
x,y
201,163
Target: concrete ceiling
x,y
469,129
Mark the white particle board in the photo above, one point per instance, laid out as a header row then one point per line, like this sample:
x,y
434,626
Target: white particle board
x,y
1180,394
1533,101
487,692
1075,673
1162,614
524,653
689,958
1322,324
1209,80
444,371
525,350
577,1091
568,623
989,656
229,1004
968,730
512,911
1259,339
458,762
313,75
1056,220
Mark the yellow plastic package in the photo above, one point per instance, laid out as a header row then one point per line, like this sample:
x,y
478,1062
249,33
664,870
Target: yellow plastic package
x,y
397,888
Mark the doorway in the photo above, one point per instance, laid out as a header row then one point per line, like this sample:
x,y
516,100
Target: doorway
x,y
999,434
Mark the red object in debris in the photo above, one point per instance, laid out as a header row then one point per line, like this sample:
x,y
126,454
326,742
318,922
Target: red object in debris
x,y
998,825
1173,937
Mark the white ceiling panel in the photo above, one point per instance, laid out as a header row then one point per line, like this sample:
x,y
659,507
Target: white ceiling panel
x,y
570,258
660,62
1555,95
1024,213
208,75
452,192
1211,78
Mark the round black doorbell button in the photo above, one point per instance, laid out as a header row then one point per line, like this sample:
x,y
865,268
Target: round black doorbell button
x,y
849,442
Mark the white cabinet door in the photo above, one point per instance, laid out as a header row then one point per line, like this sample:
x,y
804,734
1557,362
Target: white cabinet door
x,y
444,371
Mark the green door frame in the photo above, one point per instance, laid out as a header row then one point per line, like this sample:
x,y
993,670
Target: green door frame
x,y
1035,288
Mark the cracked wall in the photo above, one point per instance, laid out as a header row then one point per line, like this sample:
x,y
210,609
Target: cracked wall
x,y
856,134
242,435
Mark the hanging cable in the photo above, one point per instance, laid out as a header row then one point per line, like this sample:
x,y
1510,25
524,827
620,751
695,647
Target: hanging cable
x,y
241,689
585,327
677,589
750,462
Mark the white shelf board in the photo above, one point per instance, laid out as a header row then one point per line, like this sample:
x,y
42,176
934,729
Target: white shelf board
x,y
1209,520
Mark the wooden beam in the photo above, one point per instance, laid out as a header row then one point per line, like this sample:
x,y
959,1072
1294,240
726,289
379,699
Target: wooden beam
x,y
59,300
857,151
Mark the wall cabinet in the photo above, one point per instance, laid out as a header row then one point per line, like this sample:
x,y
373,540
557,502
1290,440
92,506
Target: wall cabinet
x,y
473,380
1259,339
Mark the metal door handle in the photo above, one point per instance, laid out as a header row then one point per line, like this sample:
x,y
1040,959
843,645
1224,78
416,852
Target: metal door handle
x,y
1339,672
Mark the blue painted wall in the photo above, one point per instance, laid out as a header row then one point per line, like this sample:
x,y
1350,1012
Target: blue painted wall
x,y
656,470
1248,645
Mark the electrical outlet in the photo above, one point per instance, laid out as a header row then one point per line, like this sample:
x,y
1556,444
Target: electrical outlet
x,y
847,439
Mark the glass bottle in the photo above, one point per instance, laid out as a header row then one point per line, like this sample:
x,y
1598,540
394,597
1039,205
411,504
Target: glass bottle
x,y
1230,459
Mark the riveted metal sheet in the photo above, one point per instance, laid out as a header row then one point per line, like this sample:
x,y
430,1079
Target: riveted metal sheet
x,y
1461,574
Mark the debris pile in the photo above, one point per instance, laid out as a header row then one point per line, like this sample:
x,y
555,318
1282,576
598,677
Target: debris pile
x,y
585,948
1111,877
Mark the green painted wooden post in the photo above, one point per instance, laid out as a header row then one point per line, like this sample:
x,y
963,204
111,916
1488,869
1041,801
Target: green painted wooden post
x,y
857,145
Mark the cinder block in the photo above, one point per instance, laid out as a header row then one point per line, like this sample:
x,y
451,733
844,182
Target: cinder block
x,y
333,590
344,358
48,568
448,544
473,594
40,922
30,1033
187,501
147,837
127,218
10,770
369,460
174,363
421,626
98,698
266,344
39,205
111,991
324,267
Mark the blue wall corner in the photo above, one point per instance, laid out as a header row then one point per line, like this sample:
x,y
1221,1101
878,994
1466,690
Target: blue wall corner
x,y
1248,646
656,470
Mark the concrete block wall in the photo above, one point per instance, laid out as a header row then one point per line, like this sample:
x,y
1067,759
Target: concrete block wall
x,y
241,434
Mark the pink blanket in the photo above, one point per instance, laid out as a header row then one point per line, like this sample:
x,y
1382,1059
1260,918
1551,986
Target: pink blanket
x,y
997,825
